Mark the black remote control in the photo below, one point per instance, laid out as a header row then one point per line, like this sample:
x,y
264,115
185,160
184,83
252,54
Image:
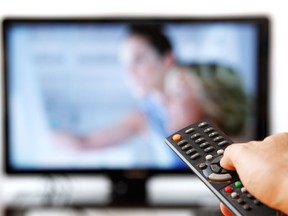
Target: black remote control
x,y
201,146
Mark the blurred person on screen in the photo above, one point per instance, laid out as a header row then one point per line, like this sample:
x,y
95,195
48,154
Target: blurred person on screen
x,y
171,96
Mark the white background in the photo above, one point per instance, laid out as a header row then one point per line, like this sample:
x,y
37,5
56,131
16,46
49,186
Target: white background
x,y
276,10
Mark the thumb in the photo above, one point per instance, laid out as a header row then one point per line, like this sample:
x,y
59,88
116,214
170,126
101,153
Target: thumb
x,y
227,160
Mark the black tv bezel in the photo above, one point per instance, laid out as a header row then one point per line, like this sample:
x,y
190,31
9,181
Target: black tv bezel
x,y
262,118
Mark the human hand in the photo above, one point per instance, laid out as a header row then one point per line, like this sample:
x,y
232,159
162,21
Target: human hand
x,y
262,168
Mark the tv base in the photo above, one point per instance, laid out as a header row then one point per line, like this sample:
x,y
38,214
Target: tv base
x,y
129,192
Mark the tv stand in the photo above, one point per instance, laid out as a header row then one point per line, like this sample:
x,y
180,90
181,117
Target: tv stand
x,y
129,190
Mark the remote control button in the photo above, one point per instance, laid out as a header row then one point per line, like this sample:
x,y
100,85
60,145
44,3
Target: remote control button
x,y
204,145
195,156
241,201
208,130
190,130
247,207
182,142
219,177
243,190
200,140
228,189
238,184
191,151
216,160
234,195
257,202
176,137
202,166
213,134
250,196
217,139
185,147
220,152
195,136
202,124
224,171
215,168
209,157
209,149
223,143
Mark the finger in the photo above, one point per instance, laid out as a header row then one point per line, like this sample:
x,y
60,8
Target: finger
x,y
225,211
227,160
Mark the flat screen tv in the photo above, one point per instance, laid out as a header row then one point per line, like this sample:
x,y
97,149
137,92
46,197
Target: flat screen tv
x,y
99,95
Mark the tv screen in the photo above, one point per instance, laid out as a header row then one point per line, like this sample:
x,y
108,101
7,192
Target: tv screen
x,y
102,94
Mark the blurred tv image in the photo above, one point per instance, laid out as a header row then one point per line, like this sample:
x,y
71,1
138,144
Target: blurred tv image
x,y
105,95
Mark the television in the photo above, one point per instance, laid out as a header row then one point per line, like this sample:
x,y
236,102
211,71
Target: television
x,y
99,95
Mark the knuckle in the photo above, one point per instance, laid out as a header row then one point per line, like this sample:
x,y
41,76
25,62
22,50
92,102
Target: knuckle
x,y
230,148
269,139
234,149
284,135
253,142
280,137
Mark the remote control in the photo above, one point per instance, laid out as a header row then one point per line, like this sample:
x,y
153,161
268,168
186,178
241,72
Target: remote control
x,y
201,146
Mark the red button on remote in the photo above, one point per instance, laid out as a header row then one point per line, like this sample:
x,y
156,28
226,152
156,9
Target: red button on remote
x,y
228,189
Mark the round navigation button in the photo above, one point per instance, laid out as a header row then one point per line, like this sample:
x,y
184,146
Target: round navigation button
x,y
223,171
216,160
215,168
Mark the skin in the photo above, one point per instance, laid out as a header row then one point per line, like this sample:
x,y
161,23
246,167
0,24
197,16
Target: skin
x,y
262,168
